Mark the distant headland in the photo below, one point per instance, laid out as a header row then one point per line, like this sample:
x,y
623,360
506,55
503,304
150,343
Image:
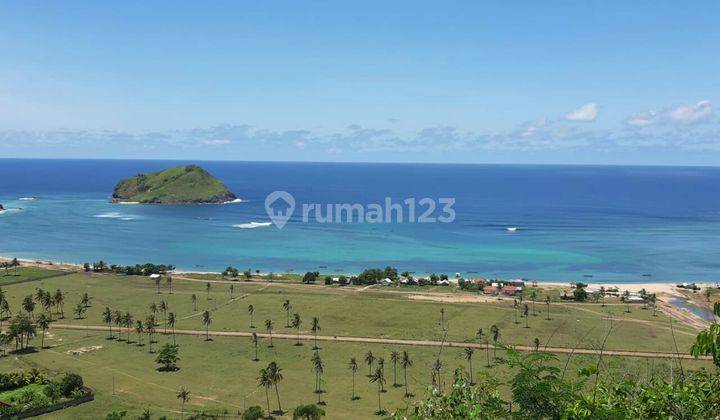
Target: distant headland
x,y
188,184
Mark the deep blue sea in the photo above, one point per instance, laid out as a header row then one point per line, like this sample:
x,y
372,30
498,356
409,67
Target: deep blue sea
x,y
612,223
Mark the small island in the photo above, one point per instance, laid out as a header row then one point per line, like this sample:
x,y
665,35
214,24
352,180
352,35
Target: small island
x,y
188,184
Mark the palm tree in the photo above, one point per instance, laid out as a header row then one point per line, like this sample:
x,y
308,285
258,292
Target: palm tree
x,y
108,318
626,298
353,366
287,307
536,344
28,305
525,314
127,323
207,320
118,320
251,311
153,308
79,311
515,307
150,328
602,295
296,322
207,290
437,366
405,362
533,296
653,301
194,301
157,284
319,368
442,319
269,329
59,301
469,351
479,335
381,365
275,374
232,290
265,382
394,357
378,377
547,302
254,338
171,324
315,327
495,331
168,282
163,309
369,360
183,395
139,330
43,322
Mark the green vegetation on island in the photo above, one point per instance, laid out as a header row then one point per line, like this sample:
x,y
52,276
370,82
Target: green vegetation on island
x,y
188,184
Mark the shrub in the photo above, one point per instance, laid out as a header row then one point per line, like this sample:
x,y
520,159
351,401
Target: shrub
x,y
308,412
69,383
253,413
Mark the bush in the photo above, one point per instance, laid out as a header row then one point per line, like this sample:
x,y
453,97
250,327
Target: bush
x,y
328,280
70,383
253,413
308,412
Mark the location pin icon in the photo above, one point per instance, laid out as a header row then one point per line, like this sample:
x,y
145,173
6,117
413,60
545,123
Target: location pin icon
x,y
280,206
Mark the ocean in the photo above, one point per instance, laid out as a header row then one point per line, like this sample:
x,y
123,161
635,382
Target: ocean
x,y
584,223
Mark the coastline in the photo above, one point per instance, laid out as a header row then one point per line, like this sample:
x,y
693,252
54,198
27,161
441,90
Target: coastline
x,y
633,287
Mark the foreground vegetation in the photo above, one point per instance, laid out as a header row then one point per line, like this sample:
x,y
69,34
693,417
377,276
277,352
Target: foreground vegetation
x,y
133,364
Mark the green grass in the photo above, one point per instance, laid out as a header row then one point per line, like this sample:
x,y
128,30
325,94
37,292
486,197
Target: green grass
x,y
25,273
221,375
14,394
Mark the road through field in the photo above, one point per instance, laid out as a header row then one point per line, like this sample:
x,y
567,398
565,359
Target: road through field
x,y
427,343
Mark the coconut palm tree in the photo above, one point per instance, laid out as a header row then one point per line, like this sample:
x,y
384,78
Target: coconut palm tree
x,y
602,295
536,344
287,307
405,362
547,302
153,308
254,339
118,320
183,395
43,321
381,365
139,330
265,381
315,327
394,358
193,298
150,328
171,324
163,308
319,368
251,311
127,323
232,290
626,298
107,317
435,374
207,320
369,360
533,296
378,377
495,332
269,329
525,314
79,311
515,308
168,282
442,319
207,290
469,351
157,284
296,322
28,306
653,302
59,300
353,366
275,374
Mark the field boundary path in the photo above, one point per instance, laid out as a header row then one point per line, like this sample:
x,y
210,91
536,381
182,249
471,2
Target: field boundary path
x,y
405,342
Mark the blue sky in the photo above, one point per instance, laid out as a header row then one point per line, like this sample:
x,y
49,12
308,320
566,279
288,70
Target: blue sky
x,y
533,82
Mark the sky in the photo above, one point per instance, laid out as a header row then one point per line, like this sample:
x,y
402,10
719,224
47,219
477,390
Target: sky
x,y
586,82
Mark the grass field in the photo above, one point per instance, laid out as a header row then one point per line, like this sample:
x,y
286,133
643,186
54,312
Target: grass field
x,y
221,375
13,275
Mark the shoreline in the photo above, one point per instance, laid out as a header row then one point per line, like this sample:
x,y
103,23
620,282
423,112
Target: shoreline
x,y
650,287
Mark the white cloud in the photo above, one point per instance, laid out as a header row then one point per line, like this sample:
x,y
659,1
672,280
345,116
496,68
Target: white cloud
x,y
643,119
690,114
531,128
587,112
220,142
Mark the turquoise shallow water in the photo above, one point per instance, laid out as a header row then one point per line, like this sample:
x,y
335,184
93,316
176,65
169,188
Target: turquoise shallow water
x,y
614,223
